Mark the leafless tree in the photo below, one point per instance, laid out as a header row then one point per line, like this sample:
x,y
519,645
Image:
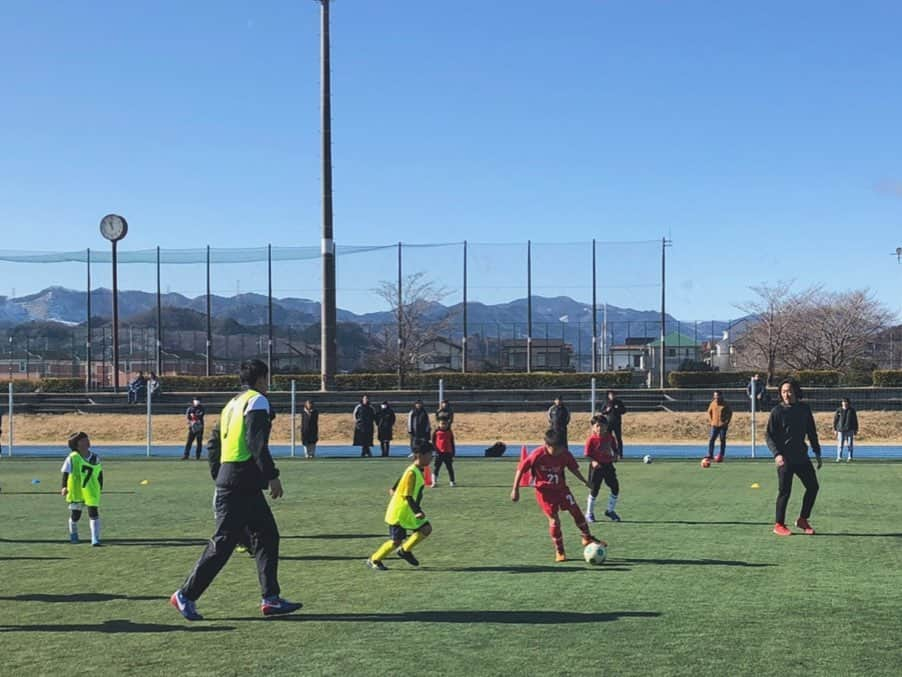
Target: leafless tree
x,y
768,335
422,319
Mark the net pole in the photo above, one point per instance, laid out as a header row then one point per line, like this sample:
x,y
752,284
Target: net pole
x,y
159,351
529,306
209,321
441,390
88,340
9,410
463,363
754,410
293,415
269,314
592,398
594,316
149,420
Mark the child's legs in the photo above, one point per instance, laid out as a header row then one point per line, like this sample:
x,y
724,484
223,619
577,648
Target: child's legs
x,y
554,530
596,477
449,462
576,513
439,461
396,534
610,478
851,437
418,535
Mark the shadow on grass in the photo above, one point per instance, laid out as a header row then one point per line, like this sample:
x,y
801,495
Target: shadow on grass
x,y
334,537
529,569
499,617
80,597
691,562
57,493
700,523
860,535
157,542
114,627
321,558
14,558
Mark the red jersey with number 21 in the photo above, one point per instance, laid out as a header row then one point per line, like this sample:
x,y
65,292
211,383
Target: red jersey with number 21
x,y
548,470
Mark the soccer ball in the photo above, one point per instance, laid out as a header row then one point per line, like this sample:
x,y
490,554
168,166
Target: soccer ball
x,y
647,458
706,462
595,553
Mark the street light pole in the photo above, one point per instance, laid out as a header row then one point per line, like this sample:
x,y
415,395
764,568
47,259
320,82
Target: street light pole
x,y
113,227
328,345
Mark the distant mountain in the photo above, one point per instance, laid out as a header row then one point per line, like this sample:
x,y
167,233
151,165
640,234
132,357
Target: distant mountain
x,y
555,316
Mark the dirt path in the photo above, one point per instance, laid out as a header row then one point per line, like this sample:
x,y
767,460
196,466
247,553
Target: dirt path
x,y
877,427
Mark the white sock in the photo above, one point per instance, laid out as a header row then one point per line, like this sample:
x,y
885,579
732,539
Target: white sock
x,y
95,530
590,505
73,527
612,502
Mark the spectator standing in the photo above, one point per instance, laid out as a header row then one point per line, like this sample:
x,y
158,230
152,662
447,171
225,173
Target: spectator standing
x,y
195,416
309,428
418,427
444,413
559,418
613,411
385,425
364,426
845,425
757,390
719,416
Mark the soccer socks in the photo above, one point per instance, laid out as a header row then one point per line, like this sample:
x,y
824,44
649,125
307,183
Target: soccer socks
x,y
73,527
412,540
95,530
590,505
612,502
557,537
383,550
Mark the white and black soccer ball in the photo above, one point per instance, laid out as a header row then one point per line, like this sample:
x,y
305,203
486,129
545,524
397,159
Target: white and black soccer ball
x,y
595,553
647,459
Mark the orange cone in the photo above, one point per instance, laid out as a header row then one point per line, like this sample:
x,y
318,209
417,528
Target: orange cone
x,y
525,478
427,476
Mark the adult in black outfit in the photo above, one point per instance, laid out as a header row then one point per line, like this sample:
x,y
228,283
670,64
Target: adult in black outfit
x,y
385,424
613,410
364,425
195,416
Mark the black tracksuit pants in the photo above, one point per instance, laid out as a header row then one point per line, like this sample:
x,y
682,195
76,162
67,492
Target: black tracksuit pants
x,y
806,473
448,461
237,510
192,436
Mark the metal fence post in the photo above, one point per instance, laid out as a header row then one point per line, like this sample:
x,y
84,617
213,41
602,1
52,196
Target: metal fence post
x,y
592,410
754,432
149,421
293,415
9,410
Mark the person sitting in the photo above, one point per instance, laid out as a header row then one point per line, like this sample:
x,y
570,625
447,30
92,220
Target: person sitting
x,y
137,388
154,388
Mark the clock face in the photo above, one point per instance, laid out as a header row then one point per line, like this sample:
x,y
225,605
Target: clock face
x,y
113,227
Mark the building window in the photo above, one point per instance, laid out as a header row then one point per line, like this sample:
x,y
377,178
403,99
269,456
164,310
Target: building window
x,y
671,352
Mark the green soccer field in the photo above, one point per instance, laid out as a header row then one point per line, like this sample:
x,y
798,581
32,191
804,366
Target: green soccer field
x,y
695,582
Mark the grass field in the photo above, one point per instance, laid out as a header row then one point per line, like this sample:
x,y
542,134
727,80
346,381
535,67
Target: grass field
x,y
695,583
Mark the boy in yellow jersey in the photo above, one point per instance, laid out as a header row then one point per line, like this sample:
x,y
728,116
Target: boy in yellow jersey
x,y
405,513
82,485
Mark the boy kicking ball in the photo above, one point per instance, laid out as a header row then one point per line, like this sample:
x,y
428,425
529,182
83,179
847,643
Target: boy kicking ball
x,y
547,465
82,485
405,513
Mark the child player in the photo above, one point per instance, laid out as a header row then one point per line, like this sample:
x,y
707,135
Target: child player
x,y
601,449
404,511
443,441
82,484
547,465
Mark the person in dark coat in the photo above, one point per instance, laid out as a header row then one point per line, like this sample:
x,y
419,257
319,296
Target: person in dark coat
x,y
418,427
364,425
309,428
385,424
195,417
845,425
559,418
613,410
444,413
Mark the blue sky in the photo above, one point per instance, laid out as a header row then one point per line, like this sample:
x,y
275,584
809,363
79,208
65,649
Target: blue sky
x,y
763,138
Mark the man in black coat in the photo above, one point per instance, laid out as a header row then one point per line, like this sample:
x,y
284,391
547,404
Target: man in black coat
x,y
613,410
418,426
385,425
309,428
195,417
364,425
845,425
559,418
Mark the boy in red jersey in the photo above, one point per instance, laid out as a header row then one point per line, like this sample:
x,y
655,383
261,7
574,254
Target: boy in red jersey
x,y
547,465
443,441
601,448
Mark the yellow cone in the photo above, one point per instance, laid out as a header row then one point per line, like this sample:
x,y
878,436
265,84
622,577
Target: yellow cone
x,y
756,486
145,481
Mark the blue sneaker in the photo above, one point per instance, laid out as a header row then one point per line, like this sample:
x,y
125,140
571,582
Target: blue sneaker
x,y
276,606
185,606
611,515
73,538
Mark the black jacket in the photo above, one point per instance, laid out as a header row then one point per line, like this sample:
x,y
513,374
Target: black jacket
x,y
309,426
446,414
255,473
845,420
787,428
195,417
613,410
559,417
364,423
385,422
418,426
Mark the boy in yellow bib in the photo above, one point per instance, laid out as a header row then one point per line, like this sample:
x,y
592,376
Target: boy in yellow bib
x,y
82,486
404,511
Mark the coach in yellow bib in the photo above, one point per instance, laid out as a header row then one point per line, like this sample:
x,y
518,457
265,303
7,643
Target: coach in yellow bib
x,y
242,440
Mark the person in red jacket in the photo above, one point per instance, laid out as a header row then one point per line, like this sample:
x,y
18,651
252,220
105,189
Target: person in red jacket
x,y
601,449
443,441
547,464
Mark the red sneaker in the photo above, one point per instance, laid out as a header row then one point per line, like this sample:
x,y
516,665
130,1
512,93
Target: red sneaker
x,y
718,458
781,530
803,524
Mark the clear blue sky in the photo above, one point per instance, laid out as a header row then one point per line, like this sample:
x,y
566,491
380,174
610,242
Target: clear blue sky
x,y
763,137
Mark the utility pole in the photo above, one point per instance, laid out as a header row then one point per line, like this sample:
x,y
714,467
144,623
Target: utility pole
x,y
665,243
328,345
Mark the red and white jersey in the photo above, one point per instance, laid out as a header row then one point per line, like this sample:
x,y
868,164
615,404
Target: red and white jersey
x,y
547,470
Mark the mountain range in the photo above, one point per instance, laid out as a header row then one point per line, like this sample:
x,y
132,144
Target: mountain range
x,y
553,316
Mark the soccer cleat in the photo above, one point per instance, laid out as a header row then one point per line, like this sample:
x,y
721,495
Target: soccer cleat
x,y
185,606
276,606
73,538
838,459
781,530
450,484
408,557
591,539
611,515
590,517
376,564
96,544
718,458
241,548
803,524
560,557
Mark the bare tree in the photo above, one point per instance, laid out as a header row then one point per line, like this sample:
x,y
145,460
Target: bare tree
x,y
422,319
768,335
